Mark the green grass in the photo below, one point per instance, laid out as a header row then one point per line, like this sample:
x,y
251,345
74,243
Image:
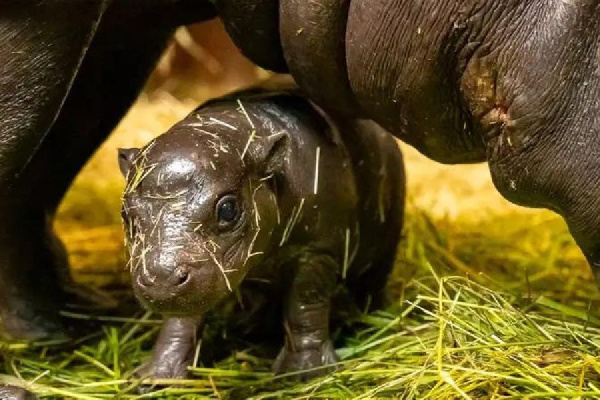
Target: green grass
x,y
504,308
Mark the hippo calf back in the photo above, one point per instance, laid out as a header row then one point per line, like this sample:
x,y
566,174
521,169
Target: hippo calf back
x,y
262,187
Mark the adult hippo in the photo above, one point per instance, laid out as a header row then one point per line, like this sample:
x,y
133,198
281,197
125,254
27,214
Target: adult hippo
x,y
515,83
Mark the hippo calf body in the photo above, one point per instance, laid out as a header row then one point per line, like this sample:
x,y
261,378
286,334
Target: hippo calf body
x,y
260,187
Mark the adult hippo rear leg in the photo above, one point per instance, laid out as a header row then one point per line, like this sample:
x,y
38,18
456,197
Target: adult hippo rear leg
x,y
120,57
42,44
562,175
551,158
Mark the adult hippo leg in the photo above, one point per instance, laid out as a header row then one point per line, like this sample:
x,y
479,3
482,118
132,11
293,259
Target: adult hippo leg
x,y
120,57
563,176
541,120
174,350
307,342
42,46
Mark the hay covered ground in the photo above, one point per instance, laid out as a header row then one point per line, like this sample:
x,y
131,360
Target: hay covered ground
x,y
488,300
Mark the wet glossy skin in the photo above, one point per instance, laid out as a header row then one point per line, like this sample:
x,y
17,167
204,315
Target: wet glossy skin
x,y
194,226
260,186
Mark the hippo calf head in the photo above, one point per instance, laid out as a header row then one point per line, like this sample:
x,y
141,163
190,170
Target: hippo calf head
x,y
199,207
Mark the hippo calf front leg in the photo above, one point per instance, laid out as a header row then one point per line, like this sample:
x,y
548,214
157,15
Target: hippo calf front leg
x,y
306,318
174,350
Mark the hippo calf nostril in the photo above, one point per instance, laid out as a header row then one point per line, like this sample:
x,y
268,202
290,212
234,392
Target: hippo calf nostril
x,y
146,280
173,278
181,276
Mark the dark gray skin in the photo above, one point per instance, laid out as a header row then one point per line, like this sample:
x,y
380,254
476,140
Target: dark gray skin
x,y
515,83
231,195
70,71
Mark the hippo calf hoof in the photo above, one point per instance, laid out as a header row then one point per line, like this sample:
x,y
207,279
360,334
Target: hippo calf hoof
x,y
150,371
309,361
173,353
8,392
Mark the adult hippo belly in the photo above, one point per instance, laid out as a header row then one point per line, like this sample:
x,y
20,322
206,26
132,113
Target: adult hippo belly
x,y
70,69
515,83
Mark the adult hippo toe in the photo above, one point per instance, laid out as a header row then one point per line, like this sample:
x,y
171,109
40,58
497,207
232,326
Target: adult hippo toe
x,y
515,83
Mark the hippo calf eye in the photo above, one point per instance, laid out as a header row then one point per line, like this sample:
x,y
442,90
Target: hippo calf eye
x,y
228,210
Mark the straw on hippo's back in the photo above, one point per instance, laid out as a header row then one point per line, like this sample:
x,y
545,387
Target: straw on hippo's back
x,y
261,187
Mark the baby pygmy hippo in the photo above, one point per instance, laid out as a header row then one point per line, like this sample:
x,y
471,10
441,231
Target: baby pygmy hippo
x,y
260,187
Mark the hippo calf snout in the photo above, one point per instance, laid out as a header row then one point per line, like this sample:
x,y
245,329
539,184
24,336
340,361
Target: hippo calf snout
x,y
163,291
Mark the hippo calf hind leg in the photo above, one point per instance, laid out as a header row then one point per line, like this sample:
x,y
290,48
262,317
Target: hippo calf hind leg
x,y
307,342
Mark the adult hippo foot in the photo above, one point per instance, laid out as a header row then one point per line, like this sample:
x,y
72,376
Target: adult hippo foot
x,y
35,281
28,326
29,315
309,363
8,392
30,279
173,352
80,296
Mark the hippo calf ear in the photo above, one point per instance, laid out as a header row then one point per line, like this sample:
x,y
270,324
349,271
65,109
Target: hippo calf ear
x,y
274,151
126,158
